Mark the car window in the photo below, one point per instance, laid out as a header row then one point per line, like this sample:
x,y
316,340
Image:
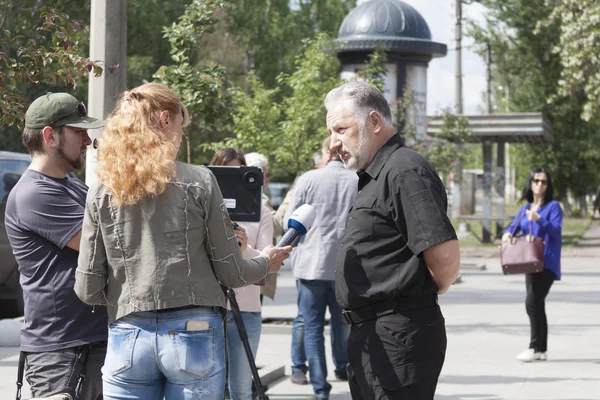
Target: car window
x,y
10,172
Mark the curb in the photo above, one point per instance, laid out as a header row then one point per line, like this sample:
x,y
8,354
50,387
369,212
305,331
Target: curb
x,y
271,373
271,327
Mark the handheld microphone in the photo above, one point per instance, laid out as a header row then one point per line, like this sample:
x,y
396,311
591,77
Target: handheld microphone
x,y
299,223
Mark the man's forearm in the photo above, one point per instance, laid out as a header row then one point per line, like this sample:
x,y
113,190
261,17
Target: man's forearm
x,y
443,261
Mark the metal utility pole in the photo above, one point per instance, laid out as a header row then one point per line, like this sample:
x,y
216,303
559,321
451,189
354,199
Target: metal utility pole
x,y
108,45
456,192
501,167
487,158
458,34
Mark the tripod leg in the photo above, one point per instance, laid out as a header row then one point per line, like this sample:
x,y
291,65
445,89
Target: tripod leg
x,y
239,322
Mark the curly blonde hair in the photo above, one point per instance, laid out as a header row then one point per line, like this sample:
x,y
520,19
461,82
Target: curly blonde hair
x,y
136,156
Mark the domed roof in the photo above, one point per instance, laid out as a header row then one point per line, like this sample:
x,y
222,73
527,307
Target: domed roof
x,y
393,23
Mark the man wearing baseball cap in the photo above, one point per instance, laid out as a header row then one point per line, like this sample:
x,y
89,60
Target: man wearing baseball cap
x,y
63,341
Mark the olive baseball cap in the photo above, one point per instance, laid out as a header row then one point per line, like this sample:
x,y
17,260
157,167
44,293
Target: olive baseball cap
x,y
59,109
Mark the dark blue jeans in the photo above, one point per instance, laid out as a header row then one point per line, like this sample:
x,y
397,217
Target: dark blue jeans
x,y
298,354
315,297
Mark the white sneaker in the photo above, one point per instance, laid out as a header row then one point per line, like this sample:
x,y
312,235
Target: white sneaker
x,y
530,355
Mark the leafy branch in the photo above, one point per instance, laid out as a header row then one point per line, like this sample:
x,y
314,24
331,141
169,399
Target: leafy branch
x,y
50,55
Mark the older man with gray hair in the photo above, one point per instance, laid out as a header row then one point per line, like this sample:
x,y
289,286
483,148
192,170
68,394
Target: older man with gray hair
x,y
399,252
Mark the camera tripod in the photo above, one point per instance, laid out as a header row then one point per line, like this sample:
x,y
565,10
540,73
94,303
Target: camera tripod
x,y
239,323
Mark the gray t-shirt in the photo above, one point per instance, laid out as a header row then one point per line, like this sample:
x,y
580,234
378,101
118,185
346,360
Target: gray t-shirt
x,y
42,215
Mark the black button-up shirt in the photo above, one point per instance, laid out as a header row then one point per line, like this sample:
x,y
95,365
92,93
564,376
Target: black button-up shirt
x,y
399,212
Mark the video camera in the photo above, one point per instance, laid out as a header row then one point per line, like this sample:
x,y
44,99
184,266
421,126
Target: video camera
x,y
242,191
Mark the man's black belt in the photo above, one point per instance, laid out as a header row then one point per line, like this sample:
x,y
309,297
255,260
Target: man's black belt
x,y
379,309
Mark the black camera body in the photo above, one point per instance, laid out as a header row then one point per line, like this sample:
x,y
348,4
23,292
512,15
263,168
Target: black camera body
x,y
242,191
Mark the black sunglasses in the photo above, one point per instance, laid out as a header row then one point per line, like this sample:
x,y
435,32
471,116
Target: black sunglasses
x,y
540,181
80,109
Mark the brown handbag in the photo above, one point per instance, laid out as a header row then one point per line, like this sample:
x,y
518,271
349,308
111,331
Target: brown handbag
x,y
523,254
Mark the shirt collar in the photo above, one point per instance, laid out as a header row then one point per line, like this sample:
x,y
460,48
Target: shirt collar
x,y
334,163
395,142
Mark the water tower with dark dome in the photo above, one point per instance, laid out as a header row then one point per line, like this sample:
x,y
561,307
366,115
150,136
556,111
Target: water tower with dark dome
x,y
407,39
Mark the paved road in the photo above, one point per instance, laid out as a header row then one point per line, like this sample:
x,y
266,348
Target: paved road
x,y
487,327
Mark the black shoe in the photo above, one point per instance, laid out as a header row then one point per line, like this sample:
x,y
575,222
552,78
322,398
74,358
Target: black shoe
x,y
341,374
299,378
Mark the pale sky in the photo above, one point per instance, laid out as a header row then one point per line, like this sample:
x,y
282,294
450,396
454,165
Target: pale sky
x,y
440,16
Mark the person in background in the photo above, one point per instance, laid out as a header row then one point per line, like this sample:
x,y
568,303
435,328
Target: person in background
x,y
299,367
253,237
61,336
399,252
544,215
331,190
157,244
260,161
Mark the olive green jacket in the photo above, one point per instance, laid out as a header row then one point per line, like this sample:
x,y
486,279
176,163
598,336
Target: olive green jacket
x,y
173,250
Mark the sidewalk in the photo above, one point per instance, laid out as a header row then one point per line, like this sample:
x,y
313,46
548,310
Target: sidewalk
x,y
589,243
487,327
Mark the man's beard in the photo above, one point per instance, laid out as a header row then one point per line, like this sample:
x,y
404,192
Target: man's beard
x,y
355,162
75,163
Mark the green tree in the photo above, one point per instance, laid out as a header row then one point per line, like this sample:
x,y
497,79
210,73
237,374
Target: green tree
x,y
287,130
271,33
441,150
303,128
40,50
146,48
579,51
203,88
526,63
256,119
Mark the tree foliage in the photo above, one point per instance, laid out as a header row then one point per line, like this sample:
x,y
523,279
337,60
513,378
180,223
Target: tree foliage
x,y
271,33
579,51
527,75
40,50
441,150
146,48
317,72
202,88
289,130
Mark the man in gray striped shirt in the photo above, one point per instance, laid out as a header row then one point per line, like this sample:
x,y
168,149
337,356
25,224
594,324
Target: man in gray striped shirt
x,y
331,190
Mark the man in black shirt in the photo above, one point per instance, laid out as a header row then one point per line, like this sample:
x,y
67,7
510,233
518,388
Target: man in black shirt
x,y
398,253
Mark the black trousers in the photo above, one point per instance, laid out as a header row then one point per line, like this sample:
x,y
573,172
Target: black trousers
x,y
397,356
538,285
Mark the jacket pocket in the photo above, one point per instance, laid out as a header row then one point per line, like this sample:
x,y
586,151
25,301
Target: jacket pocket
x,y
195,351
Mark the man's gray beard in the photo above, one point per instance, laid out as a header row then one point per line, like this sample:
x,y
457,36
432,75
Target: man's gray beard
x,y
358,155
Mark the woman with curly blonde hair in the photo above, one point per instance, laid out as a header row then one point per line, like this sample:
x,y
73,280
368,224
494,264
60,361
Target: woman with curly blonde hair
x,y
157,244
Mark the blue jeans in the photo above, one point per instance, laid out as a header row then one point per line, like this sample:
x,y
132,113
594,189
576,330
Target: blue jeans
x,y
315,297
151,355
298,354
240,374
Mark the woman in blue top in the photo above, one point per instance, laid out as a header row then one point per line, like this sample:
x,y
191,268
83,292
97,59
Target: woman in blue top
x,y
546,216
